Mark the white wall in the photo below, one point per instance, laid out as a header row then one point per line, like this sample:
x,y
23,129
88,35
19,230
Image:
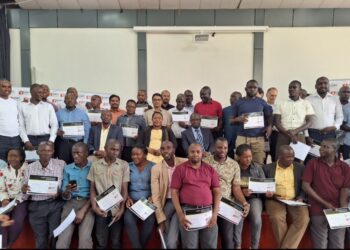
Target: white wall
x,y
92,60
174,62
15,57
305,54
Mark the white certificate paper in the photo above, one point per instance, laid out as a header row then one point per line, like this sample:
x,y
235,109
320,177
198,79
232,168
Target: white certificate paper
x,y
71,129
143,208
109,198
339,218
64,224
300,150
43,185
180,116
293,203
8,207
315,150
94,116
230,211
255,120
261,185
140,109
130,131
209,122
31,155
199,217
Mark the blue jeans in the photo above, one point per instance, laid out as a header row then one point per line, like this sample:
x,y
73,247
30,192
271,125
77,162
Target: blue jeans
x,y
318,137
255,222
138,240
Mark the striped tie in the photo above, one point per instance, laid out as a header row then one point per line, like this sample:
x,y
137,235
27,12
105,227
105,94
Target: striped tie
x,y
199,138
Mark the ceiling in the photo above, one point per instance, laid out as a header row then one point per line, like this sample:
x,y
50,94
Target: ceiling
x,y
180,4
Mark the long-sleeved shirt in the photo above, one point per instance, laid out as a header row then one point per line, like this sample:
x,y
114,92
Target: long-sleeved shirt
x,y
10,184
75,115
328,111
39,119
138,120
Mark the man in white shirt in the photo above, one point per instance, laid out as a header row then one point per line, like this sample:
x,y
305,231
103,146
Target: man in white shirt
x,y
9,125
181,126
37,120
328,112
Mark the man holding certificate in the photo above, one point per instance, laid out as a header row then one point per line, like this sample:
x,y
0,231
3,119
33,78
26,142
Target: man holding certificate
x,y
76,192
229,177
42,180
74,127
287,175
254,117
292,117
195,191
326,181
105,173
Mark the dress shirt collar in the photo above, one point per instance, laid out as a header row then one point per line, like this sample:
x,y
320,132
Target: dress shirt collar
x,y
317,95
77,167
50,166
30,103
103,161
279,167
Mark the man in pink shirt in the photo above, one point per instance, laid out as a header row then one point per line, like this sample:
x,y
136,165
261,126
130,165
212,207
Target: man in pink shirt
x,y
195,185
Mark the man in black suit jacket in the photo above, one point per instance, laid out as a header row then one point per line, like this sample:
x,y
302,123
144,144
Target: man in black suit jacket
x,y
287,174
197,134
107,131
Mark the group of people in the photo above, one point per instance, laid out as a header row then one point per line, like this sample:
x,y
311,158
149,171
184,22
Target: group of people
x,y
180,158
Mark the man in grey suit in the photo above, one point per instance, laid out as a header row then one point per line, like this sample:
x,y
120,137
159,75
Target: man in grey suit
x,y
102,132
197,134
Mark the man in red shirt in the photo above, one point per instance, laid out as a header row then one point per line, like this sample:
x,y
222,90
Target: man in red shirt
x,y
326,181
195,185
209,107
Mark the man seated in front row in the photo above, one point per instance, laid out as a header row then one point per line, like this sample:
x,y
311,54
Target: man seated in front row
x,y
195,185
287,174
198,134
44,211
101,133
76,192
161,193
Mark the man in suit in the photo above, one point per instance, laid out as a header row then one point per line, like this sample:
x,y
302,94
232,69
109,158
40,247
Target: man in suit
x,y
197,134
287,175
102,132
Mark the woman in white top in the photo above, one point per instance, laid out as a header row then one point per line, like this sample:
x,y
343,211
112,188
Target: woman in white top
x,y
11,181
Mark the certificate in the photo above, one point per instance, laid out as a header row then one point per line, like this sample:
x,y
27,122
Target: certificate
x,y
140,109
261,185
130,131
109,198
42,185
8,207
300,150
255,120
94,115
31,155
65,223
315,150
198,217
71,129
209,121
143,208
230,211
181,116
339,218
293,203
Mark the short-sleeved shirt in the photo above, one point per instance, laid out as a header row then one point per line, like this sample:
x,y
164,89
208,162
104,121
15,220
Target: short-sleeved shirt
x,y
228,172
246,106
105,176
140,182
195,185
326,181
293,113
212,108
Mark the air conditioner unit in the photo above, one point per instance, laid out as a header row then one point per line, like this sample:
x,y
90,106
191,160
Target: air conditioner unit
x,y
201,38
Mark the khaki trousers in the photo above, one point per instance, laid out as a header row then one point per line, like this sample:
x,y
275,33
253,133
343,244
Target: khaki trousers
x,y
287,237
257,144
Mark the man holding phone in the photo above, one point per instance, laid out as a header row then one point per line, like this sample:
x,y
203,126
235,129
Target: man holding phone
x,y
76,191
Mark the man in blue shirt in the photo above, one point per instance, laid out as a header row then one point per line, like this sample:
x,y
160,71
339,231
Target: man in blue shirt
x,y
66,117
230,130
76,191
247,112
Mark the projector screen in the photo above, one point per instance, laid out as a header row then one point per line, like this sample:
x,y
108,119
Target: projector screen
x,y
15,57
305,54
92,60
176,63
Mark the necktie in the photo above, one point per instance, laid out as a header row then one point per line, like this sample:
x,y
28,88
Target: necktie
x,y
199,138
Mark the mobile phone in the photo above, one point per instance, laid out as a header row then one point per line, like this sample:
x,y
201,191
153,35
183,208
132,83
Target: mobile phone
x,y
73,182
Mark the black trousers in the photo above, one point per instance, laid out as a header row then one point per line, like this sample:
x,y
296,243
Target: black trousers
x,y
63,149
8,142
